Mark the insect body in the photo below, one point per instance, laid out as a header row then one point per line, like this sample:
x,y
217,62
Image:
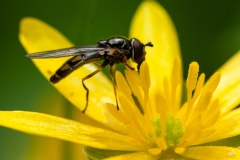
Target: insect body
x,y
111,51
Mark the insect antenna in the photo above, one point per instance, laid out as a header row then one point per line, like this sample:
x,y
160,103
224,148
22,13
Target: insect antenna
x,y
149,44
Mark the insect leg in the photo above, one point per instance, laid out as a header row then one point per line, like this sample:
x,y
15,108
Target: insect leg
x,y
87,77
97,64
138,66
130,67
125,62
114,85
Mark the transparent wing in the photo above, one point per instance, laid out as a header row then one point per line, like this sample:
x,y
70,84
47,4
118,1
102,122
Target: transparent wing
x,y
73,51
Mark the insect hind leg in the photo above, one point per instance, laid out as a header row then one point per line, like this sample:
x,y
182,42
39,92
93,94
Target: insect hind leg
x,y
87,77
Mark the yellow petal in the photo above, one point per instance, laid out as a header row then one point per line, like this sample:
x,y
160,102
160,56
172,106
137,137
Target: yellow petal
x,y
36,35
152,23
212,153
135,155
56,127
228,126
229,87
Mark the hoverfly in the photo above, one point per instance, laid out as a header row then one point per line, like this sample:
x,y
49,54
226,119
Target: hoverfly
x,y
111,51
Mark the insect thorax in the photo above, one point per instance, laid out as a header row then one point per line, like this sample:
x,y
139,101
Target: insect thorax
x,y
121,49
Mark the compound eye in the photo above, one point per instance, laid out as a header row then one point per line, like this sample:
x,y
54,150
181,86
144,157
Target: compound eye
x,y
138,52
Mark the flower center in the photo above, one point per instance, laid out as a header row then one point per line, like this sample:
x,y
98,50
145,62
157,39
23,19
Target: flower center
x,y
174,131
163,124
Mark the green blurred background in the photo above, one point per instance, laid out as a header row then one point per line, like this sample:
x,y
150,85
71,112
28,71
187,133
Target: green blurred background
x,y
209,33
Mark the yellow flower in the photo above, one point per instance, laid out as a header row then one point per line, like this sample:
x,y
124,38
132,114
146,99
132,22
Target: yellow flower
x,y
152,122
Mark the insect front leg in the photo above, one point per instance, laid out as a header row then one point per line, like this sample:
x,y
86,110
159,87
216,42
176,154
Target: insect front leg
x,y
130,67
87,77
126,64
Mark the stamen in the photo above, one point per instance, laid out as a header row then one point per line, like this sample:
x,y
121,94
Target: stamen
x,y
120,80
145,83
191,85
134,83
155,151
211,114
192,79
198,88
179,150
176,79
176,76
213,82
145,77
